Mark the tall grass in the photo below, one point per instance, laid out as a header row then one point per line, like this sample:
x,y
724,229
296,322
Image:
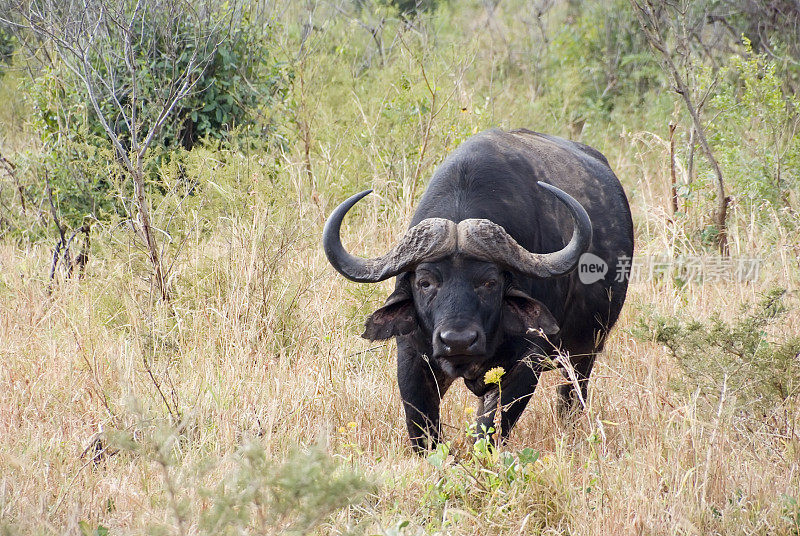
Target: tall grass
x,y
263,347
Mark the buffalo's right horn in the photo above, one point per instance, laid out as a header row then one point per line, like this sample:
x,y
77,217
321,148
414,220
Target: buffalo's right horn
x,y
429,240
487,240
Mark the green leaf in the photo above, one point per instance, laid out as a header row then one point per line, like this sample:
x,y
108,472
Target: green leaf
x,y
528,455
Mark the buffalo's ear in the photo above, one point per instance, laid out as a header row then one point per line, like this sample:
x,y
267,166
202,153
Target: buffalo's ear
x,y
396,317
521,313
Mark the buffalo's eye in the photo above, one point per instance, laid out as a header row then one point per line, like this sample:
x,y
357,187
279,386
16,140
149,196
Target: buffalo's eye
x,y
424,284
490,284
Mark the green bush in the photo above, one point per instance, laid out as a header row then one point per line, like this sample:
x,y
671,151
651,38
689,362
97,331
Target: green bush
x,y
755,131
739,360
248,492
239,96
7,46
410,8
241,75
291,497
494,484
604,60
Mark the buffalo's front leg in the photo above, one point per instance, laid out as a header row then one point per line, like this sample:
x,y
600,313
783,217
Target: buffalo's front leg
x,y
421,388
516,390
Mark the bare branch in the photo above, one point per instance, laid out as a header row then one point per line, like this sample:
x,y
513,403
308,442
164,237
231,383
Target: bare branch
x,y
648,14
116,51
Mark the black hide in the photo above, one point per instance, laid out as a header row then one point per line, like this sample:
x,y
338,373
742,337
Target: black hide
x,y
460,317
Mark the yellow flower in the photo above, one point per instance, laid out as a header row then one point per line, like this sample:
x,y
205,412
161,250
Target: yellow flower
x,y
351,424
469,410
494,375
342,429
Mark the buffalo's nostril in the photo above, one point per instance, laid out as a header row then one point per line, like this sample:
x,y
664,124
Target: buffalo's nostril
x,y
458,341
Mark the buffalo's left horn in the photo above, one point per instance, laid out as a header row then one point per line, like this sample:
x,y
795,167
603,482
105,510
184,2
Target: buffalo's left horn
x,y
429,240
487,240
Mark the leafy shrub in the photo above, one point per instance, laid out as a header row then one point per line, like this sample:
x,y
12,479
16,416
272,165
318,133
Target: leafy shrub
x,y
740,358
410,8
773,28
240,74
291,497
605,58
756,130
243,76
254,493
7,46
486,479
79,166
241,85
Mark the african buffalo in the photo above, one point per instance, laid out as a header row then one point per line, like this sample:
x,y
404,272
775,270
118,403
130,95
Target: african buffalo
x,y
486,274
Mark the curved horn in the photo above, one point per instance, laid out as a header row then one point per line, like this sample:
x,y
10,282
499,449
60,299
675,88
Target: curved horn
x,y
429,240
487,240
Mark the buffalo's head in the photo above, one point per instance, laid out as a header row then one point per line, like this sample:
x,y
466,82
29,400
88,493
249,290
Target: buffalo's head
x,y
455,283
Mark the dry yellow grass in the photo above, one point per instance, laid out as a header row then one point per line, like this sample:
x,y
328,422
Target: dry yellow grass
x,y
263,345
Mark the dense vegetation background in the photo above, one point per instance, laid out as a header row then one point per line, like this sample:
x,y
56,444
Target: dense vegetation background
x,y
176,356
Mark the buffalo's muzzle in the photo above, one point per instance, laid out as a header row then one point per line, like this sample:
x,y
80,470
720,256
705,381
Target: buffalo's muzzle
x,y
459,342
